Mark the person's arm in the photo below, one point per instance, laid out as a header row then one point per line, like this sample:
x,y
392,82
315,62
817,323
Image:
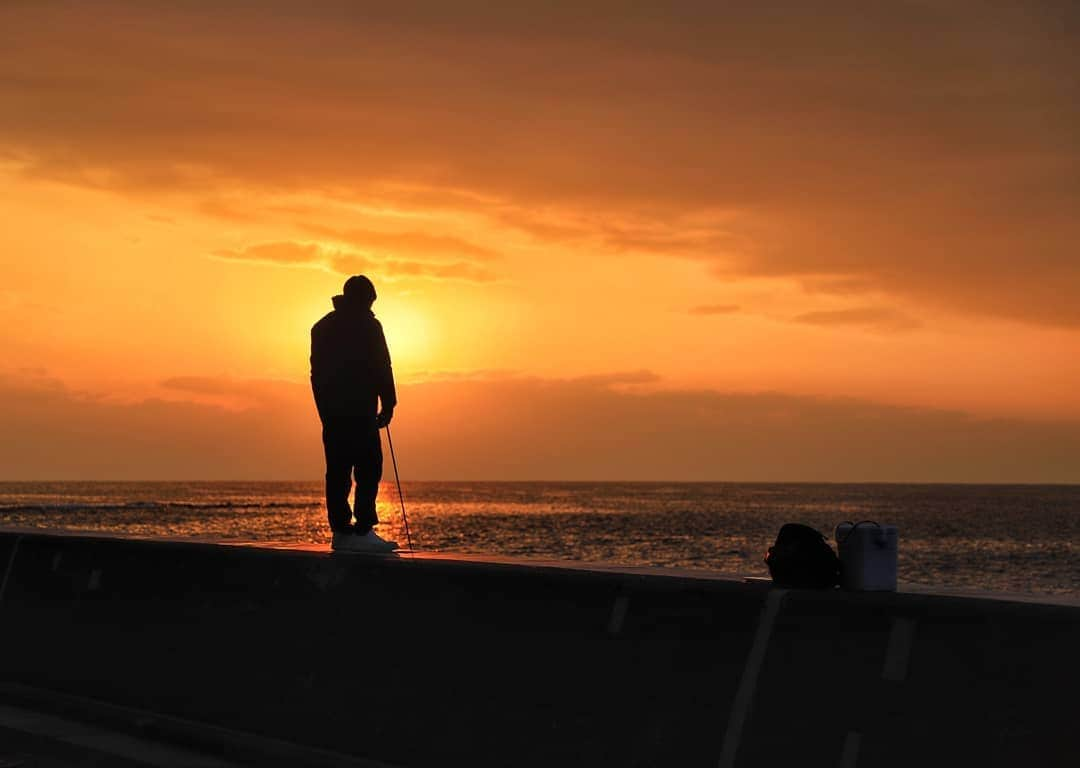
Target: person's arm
x,y
318,386
384,377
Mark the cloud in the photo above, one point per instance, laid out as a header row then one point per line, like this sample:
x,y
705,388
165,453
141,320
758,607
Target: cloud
x,y
236,393
714,309
504,427
222,210
926,150
407,243
874,318
81,437
479,374
678,237
346,262
459,270
285,252
617,378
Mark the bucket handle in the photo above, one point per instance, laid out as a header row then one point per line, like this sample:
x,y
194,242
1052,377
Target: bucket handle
x,y
836,534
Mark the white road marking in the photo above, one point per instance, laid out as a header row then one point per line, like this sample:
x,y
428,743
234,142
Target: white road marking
x,y
899,650
740,706
850,753
118,744
10,566
618,614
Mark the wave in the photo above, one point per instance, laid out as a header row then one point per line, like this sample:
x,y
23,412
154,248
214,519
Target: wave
x,y
143,506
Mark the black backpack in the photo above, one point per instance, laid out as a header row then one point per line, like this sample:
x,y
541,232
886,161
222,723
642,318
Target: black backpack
x,y
801,557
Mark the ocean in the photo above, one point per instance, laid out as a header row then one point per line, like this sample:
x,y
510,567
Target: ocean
x,y
1013,538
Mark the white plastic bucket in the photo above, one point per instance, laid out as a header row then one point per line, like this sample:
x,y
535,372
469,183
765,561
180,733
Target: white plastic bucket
x,y
867,556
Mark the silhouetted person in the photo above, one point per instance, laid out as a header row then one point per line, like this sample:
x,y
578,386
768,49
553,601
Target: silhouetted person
x,y
350,376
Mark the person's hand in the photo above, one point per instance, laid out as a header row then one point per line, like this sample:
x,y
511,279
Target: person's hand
x,y
383,419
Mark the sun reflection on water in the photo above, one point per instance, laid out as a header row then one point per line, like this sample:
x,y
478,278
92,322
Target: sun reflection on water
x,y
1021,538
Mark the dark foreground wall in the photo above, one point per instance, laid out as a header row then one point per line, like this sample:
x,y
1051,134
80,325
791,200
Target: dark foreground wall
x,y
422,662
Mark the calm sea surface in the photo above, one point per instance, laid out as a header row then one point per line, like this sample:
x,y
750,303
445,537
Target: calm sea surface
x,y
1011,538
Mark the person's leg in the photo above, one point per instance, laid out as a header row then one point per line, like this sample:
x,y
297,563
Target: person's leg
x,y
339,461
368,471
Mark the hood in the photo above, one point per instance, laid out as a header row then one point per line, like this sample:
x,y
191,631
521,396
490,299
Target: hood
x,y
343,304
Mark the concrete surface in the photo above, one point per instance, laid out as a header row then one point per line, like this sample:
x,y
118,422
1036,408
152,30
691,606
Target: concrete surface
x,y
428,660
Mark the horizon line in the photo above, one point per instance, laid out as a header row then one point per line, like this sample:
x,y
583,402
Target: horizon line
x,y
636,481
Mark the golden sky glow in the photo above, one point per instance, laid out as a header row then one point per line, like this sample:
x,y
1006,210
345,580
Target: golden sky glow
x,y
868,216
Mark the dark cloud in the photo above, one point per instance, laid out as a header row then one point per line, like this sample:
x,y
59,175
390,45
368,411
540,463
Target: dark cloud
x,y
504,427
684,239
921,149
874,318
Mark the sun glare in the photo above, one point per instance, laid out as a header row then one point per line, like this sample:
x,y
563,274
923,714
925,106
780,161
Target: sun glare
x,y
408,334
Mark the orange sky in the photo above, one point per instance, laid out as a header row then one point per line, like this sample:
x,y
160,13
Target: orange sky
x,y
851,231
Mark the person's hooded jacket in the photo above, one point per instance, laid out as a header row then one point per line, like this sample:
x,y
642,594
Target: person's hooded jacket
x,y
350,365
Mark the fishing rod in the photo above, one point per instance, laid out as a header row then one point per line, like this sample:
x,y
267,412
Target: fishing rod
x,y
397,478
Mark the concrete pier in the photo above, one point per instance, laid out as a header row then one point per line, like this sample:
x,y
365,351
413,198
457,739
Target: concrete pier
x,y
292,656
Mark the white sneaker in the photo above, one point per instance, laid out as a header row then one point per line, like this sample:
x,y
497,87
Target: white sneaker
x,y
377,543
370,542
342,541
